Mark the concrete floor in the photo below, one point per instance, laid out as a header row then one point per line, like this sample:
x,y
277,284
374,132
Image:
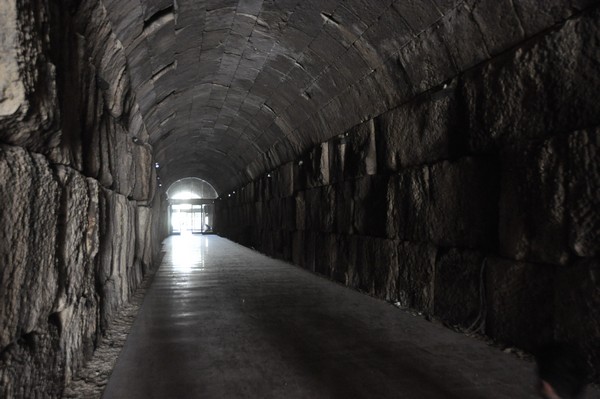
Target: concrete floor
x,y
222,321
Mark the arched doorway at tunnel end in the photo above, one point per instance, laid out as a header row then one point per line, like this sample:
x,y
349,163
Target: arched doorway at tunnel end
x,y
191,206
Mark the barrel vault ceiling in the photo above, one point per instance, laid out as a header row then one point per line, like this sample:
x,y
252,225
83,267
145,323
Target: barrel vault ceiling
x,y
229,89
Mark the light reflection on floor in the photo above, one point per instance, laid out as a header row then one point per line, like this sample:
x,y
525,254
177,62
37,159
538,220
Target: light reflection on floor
x,y
188,252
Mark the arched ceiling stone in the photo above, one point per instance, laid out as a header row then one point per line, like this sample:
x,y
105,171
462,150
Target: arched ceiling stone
x,y
228,89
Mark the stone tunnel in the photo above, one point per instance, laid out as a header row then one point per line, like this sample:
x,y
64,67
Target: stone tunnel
x,y
439,155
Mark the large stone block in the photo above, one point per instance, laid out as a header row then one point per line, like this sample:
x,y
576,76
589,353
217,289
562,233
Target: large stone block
x,y
532,223
462,207
317,167
360,155
520,309
411,204
499,24
29,195
416,276
337,158
426,61
285,180
416,133
29,113
144,173
546,87
32,366
326,254
143,237
376,268
577,308
116,254
374,211
459,282
463,38
344,207
583,192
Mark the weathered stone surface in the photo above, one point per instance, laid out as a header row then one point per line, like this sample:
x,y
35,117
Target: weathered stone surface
x,y
416,276
499,23
77,303
344,207
373,206
360,157
30,203
30,366
376,267
326,255
520,310
317,167
583,192
458,287
144,175
532,222
416,133
412,198
28,106
557,71
426,62
462,208
577,308
117,246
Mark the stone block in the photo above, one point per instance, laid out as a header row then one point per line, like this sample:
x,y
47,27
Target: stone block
x,y
344,207
116,255
310,246
583,192
462,207
313,209
30,197
317,167
464,38
458,287
345,259
577,308
360,155
29,112
376,268
520,309
300,210
533,21
374,210
337,158
143,237
532,225
285,179
288,217
426,61
298,253
76,303
416,133
143,173
411,204
558,70
326,254
499,24
416,276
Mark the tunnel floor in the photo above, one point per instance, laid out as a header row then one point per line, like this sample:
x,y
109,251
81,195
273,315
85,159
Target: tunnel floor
x,y
223,321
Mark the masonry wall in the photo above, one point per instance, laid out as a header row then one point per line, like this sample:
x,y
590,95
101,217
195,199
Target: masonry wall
x,y
77,190
475,202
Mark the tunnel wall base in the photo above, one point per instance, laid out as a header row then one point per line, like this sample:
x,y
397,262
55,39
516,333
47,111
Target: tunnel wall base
x,y
474,203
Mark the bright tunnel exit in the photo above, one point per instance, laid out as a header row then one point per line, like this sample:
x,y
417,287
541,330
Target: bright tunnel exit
x,y
191,206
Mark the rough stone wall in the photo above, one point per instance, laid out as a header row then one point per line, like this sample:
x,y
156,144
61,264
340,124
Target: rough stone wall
x,y
475,201
76,191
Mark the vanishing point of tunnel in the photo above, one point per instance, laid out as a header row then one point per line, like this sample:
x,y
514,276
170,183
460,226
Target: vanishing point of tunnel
x,y
304,198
